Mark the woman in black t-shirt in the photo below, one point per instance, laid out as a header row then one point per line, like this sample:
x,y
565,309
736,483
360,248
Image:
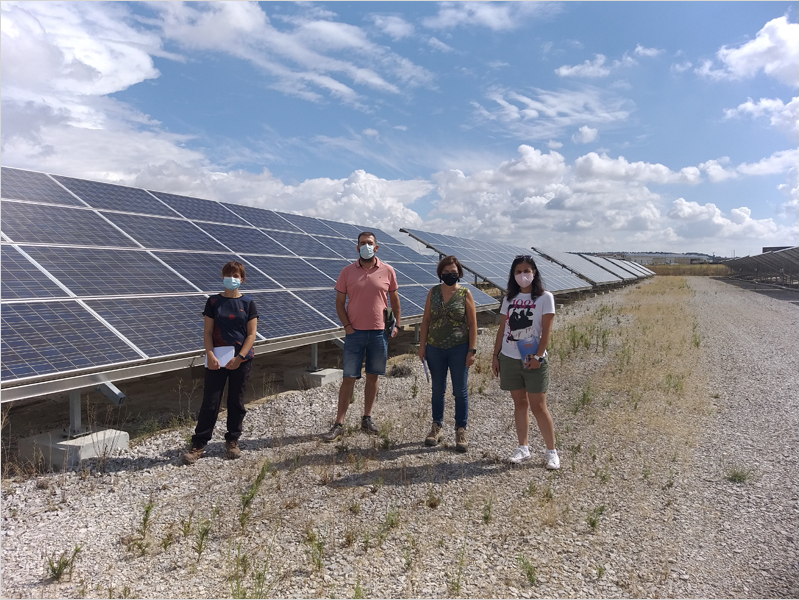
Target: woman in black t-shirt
x,y
230,322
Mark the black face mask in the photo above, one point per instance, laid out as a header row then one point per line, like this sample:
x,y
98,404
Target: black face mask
x,y
450,278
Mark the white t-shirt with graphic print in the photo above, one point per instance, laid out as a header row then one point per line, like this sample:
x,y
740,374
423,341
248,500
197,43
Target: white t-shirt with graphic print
x,y
524,320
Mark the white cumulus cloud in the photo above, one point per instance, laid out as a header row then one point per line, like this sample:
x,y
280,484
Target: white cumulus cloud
x,y
595,68
783,117
650,52
395,27
497,16
585,135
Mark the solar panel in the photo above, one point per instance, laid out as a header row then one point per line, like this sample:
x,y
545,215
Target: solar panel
x,y
164,234
115,197
585,268
157,326
481,298
21,279
634,267
323,300
198,209
345,248
609,266
28,185
626,267
39,224
96,272
496,259
244,239
205,271
309,225
40,338
345,230
260,217
414,297
296,273
302,244
283,314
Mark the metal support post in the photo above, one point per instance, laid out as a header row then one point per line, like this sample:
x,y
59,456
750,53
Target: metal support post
x,y
314,358
74,414
416,333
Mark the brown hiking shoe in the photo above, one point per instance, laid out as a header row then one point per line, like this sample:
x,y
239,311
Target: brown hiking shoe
x,y
190,457
461,439
232,450
435,436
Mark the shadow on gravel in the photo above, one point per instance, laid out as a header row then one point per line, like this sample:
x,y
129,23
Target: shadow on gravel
x,y
787,295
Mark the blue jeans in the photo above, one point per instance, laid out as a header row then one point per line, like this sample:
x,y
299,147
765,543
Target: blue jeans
x,y
439,361
374,344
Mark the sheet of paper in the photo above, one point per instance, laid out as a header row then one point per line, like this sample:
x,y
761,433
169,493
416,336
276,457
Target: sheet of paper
x,y
425,365
224,355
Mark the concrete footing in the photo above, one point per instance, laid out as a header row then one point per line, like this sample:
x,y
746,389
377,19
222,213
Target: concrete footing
x,y
301,379
56,451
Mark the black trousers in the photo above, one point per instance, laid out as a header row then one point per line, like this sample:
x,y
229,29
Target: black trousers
x,y
212,400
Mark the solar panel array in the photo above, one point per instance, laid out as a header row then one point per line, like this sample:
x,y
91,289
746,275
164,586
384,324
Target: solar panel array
x,y
491,261
96,275
611,267
581,266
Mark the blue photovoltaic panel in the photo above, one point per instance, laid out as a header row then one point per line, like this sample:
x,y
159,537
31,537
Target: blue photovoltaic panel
x,y
481,298
309,224
205,271
583,267
164,234
402,278
386,252
115,197
609,266
41,338
642,268
260,217
412,300
293,272
344,248
626,267
302,244
28,185
635,267
424,275
157,326
244,239
281,314
345,230
103,272
324,301
198,209
34,223
409,255
20,279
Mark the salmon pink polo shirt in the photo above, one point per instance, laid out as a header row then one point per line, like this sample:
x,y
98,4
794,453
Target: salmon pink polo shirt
x,y
367,293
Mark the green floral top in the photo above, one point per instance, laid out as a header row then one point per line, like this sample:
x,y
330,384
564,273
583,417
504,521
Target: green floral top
x,y
448,327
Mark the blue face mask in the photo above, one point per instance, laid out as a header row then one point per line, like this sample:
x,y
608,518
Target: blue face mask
x,y
367,251
231,283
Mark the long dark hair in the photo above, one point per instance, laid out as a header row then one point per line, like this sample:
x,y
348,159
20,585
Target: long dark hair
x,y
513,287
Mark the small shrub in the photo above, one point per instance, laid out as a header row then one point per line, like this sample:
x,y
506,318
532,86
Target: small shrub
x,y
433,501
487,511
593,518
203,533
527,569
358,593
400,370
65,563
738,474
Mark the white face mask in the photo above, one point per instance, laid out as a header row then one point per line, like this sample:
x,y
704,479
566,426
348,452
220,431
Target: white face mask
x,y
367,251
524,279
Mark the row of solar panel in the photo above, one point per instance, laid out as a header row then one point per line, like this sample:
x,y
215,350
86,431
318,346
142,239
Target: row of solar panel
x,y
53,225
107,272
61,336
67,191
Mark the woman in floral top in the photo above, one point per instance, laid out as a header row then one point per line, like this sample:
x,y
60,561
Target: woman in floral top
x,y
447,340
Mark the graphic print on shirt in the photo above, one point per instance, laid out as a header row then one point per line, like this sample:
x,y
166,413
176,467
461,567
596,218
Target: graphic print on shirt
x,y
519,323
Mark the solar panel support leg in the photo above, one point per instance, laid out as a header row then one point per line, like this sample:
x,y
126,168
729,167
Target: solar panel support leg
x,y
314,358
416,333
75,428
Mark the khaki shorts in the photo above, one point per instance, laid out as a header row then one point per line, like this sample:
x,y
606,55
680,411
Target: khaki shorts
x,y
513,376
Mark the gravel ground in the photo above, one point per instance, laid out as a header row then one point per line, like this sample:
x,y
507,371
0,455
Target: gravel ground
x,y
388,517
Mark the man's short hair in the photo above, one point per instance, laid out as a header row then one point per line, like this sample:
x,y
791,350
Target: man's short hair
x,y
363,233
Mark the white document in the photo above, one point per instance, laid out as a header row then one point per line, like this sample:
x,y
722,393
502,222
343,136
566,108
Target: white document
x,y
425,365
224,355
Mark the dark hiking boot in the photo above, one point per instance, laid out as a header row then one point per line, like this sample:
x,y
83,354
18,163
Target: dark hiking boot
x,y
232,450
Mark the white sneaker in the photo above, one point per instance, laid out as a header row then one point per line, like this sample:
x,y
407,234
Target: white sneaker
x,y
551,459
520,454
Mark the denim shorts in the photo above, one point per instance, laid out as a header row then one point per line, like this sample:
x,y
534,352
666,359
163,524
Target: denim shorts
x,y
376,346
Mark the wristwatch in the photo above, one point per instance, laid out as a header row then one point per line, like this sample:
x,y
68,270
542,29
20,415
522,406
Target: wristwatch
x,y
539,358
240,356
473,350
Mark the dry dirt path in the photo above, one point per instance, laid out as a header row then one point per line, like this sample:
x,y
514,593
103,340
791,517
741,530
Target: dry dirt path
x,y
655,400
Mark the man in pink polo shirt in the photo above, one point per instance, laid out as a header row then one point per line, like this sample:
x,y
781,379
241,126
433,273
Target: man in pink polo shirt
x,y
367,284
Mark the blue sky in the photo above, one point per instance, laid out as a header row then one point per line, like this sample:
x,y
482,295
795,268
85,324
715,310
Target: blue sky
x,y
578,126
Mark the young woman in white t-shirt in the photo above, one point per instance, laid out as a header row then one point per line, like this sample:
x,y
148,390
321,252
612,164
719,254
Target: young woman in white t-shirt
x,y
528,312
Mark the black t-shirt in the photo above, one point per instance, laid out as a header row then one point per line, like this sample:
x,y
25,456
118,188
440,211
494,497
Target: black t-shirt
x,y
231,316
